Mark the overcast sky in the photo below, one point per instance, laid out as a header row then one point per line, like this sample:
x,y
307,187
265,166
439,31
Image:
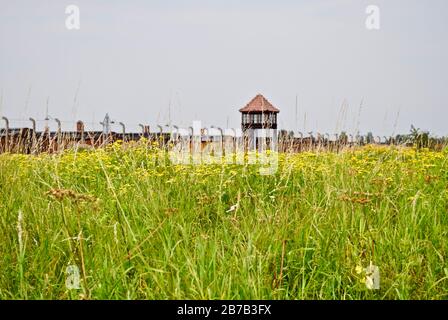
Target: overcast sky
x,y
155,61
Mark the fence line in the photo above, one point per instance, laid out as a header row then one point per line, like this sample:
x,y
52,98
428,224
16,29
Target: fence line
x,y
31,141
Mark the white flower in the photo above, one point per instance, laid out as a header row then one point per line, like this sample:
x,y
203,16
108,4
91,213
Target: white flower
x,y
233,208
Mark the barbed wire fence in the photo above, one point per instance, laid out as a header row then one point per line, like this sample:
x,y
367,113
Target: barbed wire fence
x,y
54,135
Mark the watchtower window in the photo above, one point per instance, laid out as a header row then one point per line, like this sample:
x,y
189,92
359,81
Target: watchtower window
x,y
251,118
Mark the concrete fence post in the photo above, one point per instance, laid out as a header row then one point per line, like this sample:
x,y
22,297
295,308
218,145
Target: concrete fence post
x,y
6,133
33,136
123,130
58,133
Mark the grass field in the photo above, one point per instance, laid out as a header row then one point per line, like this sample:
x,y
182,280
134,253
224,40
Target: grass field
x,y
138,228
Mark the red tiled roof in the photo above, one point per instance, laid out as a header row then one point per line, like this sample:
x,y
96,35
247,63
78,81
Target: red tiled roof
x,y
259,104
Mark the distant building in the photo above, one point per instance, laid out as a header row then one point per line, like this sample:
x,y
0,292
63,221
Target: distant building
x,y
258,120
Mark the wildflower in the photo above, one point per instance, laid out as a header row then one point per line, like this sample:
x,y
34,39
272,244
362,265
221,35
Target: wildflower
x,y
60,194
359,269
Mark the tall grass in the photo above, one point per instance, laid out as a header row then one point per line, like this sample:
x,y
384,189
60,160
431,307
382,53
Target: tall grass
x,y
139,228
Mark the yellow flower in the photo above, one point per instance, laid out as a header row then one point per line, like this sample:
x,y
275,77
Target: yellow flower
x,y
359,269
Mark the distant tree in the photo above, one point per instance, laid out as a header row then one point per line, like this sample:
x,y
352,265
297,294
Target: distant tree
x,y
361,140
343,138
401,138
370,138
420,139
414,133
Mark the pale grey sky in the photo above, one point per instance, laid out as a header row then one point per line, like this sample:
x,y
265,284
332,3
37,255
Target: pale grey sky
x,y
208,58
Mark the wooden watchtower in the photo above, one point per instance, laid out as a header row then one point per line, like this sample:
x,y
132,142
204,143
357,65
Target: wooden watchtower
x,y
258,117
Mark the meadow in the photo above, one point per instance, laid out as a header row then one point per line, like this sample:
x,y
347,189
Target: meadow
x,y
138,227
